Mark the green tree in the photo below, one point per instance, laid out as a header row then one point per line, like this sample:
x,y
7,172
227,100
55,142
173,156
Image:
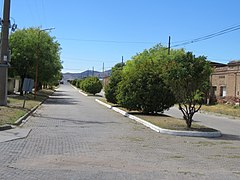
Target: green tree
x,y
91,85
188,78
30,47
111,89
142,87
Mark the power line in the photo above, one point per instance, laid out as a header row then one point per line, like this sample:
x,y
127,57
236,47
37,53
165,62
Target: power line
x,y
203,38
107,41
74,59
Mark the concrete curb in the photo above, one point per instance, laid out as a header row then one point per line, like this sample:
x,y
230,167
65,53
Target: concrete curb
x,y
161,130
22,120
81,92
24,117
5,127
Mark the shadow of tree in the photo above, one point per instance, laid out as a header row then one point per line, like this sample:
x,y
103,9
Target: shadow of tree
x,y
76,121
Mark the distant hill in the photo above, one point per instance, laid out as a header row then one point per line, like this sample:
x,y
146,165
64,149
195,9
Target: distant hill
x,y
71,76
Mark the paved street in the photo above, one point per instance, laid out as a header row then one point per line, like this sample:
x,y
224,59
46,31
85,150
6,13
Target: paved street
x,y
229,126
73,137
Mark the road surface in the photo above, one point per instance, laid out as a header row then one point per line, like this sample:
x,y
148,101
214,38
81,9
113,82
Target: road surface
x,y
73,137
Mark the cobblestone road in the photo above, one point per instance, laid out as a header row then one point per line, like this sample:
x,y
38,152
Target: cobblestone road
x,y
73,137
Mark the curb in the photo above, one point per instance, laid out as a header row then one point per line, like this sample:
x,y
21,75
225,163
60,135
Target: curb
x,y
24,117
22,120
5,127
81,92
161,130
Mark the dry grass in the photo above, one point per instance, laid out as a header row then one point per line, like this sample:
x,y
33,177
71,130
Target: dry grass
x,y
226,109
172,123
14,110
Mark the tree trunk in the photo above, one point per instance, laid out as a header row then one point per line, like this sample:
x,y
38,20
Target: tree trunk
x,y
187,115
189,120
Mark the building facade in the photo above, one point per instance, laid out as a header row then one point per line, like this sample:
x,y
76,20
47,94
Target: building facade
x,y
225,82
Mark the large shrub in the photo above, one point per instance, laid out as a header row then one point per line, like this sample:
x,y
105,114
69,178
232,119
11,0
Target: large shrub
x,y
74,82
78,83
111,89
91,85
142,87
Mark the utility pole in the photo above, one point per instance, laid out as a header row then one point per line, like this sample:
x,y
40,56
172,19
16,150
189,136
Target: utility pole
x,y
169,44
93,71
103,71
4,53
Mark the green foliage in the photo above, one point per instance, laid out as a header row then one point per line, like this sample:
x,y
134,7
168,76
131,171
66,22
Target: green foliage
x,y
111,89
91,85
188,78
142,87
78,83
74,82
31,47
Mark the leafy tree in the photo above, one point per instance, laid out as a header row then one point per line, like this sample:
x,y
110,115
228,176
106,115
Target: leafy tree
x,y
91,85
142,87
31,47
115,78
188,78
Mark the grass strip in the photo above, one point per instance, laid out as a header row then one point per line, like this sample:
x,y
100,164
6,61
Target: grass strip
x,y
14,110
225,109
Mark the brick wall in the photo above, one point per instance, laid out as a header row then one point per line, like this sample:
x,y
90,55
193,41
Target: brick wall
x,y
226,82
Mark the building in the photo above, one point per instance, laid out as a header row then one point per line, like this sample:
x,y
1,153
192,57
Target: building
x,y
225,82
13,85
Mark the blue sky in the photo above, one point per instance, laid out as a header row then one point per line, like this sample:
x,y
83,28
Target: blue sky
x,y
95,31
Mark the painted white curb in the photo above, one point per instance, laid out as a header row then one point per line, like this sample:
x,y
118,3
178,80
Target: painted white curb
x,y
80,91
161,130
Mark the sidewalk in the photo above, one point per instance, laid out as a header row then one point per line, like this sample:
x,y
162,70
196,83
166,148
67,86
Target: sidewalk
x,y
15,133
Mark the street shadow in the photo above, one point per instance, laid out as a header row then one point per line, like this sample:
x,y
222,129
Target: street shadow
x,y
229,137
63,101
59,94
96,95
146,114
76,121
59,91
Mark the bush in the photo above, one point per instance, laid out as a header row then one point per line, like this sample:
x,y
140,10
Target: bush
x,y
91,85
73,82
142,87
78,83
111,89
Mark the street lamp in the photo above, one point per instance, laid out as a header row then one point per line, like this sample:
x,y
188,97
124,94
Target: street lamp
x,y
36,76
